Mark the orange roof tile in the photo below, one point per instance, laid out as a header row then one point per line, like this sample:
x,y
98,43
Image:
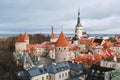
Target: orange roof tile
x,y
85,41
107,44
73,47
117,45
61,42
88,59
32,49
106,52
25,36
20,38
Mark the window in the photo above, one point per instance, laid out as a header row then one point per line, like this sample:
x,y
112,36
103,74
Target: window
x,y
59,75
92,72
97,73
42,78
46,77
63,75
64,48
49,76
45,70
66,74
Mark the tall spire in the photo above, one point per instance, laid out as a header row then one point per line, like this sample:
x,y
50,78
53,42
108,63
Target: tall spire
x,y
52,29
52,32
78,16
78,20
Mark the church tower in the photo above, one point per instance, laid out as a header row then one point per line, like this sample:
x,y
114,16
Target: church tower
x,y
53,37
78,28
21,42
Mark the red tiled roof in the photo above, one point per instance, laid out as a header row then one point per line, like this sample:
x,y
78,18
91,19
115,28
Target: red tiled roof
x,y
73,47
25,36
94,45
107,44
61,42
85,41
32,49
43,45
106,52
20,38
117,45
88,59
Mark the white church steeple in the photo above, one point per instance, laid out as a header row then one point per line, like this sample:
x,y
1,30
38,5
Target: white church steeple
x,y
78,28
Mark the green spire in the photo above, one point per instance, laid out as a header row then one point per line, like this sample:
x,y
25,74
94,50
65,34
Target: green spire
x,y
78,20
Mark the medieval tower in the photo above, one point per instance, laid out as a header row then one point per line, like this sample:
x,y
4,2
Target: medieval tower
x,y
61,49
21,42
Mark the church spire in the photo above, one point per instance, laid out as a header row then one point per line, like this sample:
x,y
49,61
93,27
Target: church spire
x,y
78,28
78,20
78,17
52,32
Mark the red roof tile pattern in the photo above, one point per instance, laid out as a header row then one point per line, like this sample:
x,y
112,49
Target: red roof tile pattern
x,y
20,38
35,46
73,47
117,45
85,41
88,59
25,36
94,45
62,42
106,52
107,44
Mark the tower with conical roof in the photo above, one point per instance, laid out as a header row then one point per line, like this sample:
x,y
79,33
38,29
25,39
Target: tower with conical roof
x,y
21,42
26,38
78,28
61,49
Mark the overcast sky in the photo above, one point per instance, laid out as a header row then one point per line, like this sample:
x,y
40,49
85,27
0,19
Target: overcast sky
x,y
37,16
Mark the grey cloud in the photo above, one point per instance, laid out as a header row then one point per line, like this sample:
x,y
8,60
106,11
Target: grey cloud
x,y
39,15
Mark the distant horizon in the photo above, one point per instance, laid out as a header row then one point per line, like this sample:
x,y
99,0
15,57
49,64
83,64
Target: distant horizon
x,y
70,35
55,33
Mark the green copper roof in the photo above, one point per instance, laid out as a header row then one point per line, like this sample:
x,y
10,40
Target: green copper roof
x,y
78,20
79,25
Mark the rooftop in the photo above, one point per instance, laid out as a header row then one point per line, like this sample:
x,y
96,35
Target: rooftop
x,y
62,42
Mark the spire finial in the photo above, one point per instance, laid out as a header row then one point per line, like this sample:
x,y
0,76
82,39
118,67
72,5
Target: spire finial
x,y
78,12
52,29
61,28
